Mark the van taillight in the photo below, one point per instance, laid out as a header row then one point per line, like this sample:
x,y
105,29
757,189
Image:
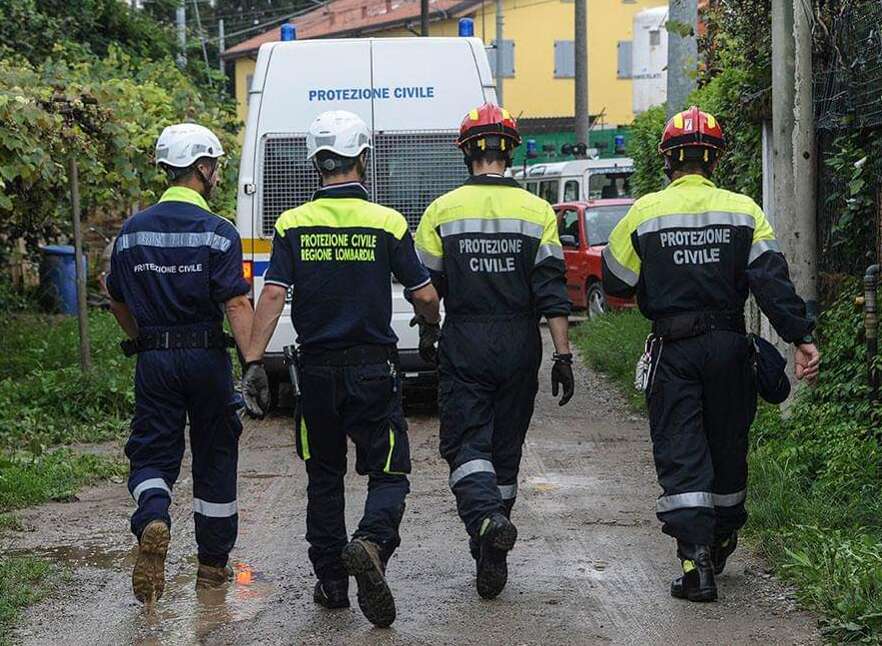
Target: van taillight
x,y
248,271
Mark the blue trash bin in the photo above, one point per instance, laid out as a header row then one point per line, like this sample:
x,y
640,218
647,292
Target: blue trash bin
x,y
58,278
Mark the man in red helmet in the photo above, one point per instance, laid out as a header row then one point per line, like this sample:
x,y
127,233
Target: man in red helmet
x,y
691,253
493,252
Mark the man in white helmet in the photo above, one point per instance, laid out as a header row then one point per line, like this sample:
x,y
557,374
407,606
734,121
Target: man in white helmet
x,y
175,269
336,253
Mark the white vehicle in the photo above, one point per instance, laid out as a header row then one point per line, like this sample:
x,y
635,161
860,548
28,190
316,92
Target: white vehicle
x,y
579,179
412,92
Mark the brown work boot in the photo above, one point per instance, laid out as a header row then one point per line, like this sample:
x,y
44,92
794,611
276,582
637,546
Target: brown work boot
x,y
362,560
148,575
210,576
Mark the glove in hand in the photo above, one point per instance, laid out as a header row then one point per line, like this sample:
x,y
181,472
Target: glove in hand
x,y
562,376
430,333
255,390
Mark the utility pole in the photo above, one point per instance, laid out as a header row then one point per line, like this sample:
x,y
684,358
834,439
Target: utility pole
x,y
783,100
682,53
500,20
580,51
82,311
803,262
424,17
181,21
201,36
221,46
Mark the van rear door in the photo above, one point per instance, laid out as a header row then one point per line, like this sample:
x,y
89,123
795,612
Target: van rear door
x,y
415,129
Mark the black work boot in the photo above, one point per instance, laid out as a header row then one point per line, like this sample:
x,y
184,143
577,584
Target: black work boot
x,y
697,582
362,560
332,594
722,550
496,538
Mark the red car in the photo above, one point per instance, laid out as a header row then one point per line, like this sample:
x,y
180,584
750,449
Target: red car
x,y
584,229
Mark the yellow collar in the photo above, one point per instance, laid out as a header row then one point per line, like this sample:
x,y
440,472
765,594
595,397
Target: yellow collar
x,y
184,194
692,180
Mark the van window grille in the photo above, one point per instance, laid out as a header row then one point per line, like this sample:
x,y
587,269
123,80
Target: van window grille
x,y
409,170
288,179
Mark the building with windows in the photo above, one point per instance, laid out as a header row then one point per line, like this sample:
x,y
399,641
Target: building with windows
x,y
539,65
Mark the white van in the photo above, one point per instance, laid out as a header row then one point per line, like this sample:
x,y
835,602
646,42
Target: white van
x,y
578,179
413,93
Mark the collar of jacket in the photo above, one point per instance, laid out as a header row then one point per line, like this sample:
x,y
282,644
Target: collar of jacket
x,y
692,180
349,189
492,180
184,194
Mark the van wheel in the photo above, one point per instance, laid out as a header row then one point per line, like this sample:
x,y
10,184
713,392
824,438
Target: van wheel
x,y
596,300
275,384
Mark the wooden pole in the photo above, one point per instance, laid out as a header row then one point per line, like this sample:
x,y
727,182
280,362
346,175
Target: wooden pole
x,y
82,312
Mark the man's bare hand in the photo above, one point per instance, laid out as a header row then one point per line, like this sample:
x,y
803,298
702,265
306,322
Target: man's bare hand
x,y
807,360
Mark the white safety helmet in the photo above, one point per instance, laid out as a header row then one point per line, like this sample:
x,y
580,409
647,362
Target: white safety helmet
x,y
340,132
182,144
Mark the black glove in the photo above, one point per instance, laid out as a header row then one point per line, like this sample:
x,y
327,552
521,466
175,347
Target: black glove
x,y
255,390
429,335
562,375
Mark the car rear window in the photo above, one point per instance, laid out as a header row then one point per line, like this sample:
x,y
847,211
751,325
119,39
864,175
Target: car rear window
x,y
601,220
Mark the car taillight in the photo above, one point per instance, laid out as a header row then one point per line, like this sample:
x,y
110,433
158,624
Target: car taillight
x,y
248,271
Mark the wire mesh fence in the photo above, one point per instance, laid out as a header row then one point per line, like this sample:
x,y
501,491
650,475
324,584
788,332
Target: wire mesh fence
x,y
848,85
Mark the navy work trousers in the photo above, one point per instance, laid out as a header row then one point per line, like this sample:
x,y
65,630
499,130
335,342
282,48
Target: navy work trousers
x,y
362,403
702,401
170,387
488,383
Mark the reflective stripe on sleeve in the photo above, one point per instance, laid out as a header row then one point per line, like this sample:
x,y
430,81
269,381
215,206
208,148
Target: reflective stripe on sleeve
x,y
215,509
508,492
152,483
761,247
684,501
430,260
696,221
730,499
428,281
549,251
469,468
619,270
277,283
494,225
168,240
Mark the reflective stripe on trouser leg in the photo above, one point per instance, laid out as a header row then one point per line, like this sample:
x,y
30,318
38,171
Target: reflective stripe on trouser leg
x,y
508,492
468,468
215,509
684,501
730,499
149,483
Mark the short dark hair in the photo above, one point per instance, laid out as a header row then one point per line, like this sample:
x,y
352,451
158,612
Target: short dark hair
x,y
330,164
179,175
692,166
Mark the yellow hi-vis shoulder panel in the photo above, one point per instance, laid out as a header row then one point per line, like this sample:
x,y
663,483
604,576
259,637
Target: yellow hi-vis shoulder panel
x,y
689,202
339,213
475,202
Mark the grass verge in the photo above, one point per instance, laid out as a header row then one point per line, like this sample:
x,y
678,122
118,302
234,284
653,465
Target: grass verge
x,y
45,401
24,581
612,344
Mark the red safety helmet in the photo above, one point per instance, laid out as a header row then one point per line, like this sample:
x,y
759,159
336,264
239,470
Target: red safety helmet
x,y
693,129
489,120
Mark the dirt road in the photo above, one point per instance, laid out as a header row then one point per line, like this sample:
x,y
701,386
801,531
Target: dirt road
x,y
590,567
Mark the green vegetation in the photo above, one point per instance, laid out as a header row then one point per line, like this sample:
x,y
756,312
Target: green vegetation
x,y
23,583
612,344
45,401
816,474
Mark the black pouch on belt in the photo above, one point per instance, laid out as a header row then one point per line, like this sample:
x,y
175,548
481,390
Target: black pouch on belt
x,y
772,383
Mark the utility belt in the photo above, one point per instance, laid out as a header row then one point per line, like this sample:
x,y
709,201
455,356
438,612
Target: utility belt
x,y
356,355
685,326
525,315
181,338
